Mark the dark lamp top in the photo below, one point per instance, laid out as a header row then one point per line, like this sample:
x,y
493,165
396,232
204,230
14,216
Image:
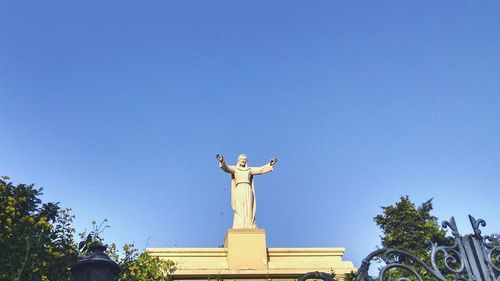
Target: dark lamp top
x,y
97,257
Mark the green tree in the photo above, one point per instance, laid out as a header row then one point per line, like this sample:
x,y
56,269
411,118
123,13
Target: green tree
x,y
36,239
351,276
410,228
134,265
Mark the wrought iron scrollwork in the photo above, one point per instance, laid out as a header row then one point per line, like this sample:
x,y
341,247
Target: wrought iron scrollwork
x,y
470,257
476,224
490,247
412,266
451,259
452,225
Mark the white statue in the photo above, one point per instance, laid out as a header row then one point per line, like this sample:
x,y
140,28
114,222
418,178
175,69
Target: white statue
x,y
242,189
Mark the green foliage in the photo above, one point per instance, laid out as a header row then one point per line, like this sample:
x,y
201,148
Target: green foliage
x,y
137,266
495,254
92,238
495,239
134,265
409,228
351,276
36,239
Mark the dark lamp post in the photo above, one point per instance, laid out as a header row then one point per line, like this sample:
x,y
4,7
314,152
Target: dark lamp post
x,y
97,266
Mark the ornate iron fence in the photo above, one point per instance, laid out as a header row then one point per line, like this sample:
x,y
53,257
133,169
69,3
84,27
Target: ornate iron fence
x,y
471,257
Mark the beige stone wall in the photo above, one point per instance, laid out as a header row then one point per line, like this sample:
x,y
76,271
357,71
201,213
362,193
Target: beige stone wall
x,y
246,257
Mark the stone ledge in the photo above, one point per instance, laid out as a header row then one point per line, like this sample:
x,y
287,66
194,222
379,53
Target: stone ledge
x,y
246,257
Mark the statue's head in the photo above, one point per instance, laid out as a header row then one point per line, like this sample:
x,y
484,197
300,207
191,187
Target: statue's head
x,y
242,160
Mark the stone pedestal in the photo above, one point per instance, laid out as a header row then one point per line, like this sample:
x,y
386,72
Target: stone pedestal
x,y
246,248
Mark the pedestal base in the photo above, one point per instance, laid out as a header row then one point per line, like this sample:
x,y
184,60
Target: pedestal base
x,y
246,248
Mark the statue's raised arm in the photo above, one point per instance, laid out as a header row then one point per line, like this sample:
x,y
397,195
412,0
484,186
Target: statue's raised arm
x,y
223,165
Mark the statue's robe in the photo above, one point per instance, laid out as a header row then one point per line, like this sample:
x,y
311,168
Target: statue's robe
x,y
243,193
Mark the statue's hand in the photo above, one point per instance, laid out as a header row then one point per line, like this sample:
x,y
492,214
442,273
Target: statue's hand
x,y
219,157
273,161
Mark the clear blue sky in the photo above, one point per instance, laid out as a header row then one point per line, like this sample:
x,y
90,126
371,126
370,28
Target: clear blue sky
x,y
118,108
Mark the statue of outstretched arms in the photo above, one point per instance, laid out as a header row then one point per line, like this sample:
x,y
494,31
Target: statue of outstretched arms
x,y
242,188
